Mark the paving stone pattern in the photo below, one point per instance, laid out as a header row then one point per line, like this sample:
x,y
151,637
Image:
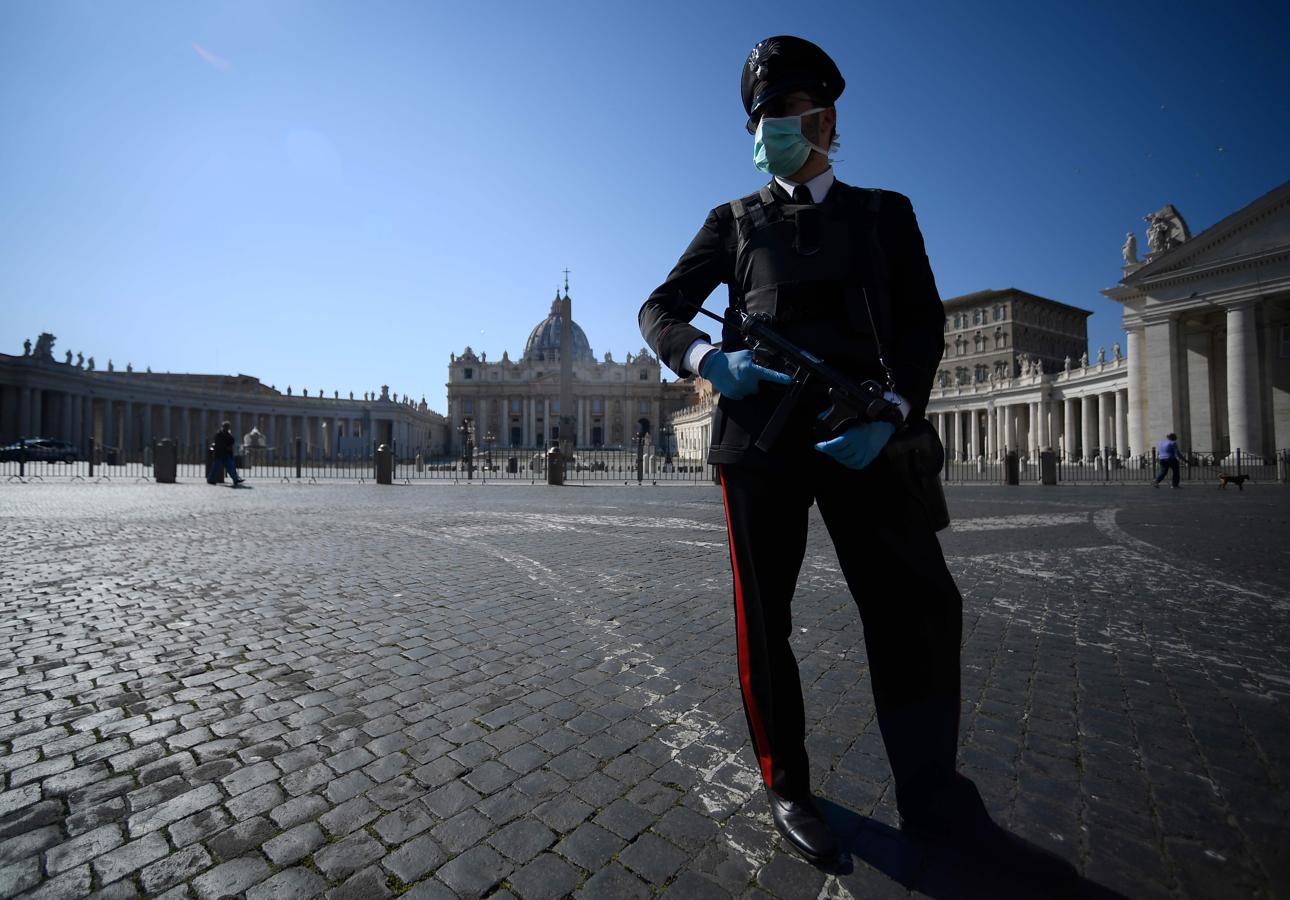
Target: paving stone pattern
x,y
513,691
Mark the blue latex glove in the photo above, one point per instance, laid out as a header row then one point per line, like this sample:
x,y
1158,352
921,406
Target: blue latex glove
x,y
859,445
736,376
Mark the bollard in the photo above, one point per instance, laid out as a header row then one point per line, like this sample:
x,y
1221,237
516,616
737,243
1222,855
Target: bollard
x,y
1011,468
1048,467
384,465
554,465
299,448
165,461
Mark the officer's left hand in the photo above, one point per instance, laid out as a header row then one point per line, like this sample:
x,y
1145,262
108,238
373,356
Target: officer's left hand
x,y
859,445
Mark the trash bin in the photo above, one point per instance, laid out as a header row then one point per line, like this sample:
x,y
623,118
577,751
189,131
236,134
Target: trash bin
x,y
214,473
165,462
1048,467
554,466
1011,468
512,464
110,456
384,465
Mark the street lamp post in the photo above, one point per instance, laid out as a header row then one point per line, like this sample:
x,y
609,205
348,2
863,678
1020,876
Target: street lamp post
x,y
467,450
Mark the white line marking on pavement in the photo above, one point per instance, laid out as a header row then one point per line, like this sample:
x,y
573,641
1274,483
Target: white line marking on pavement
x,y
1000,523
1104,521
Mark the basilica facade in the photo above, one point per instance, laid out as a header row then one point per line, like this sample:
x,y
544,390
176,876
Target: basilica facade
x,y
516,402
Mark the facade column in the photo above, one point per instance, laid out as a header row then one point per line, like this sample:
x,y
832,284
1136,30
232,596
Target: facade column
x,y
526,422
952,443
1005,430
1103,417
1244,427
1164,389
1137,391
87,421
973,436
145,436
992,432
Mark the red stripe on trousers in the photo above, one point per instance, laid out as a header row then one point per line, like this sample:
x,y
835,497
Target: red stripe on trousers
x,y
761,744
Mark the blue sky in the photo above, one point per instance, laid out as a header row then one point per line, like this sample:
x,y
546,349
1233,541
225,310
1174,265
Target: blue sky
x,y
339,195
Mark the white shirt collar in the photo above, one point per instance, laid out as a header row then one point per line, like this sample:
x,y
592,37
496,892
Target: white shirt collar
x,y
818,186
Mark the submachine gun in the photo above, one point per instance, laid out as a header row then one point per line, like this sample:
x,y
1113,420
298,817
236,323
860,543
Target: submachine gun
x,y
852,401
915,451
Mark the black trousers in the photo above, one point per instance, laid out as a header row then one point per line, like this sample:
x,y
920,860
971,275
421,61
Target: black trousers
x,y
910,608
1167,466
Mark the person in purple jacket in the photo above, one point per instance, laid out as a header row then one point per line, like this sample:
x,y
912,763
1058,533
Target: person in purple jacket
x,y
1167,453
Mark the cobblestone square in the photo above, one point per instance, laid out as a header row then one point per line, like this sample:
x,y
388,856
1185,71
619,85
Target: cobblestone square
x,y
513,691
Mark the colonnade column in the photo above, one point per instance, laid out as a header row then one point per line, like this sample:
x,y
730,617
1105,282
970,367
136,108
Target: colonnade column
x,y
65,413
1122,423
1042,437
974,434
1243,401
992,432
87,421
1103,437
1005,433
1088,432
1068,427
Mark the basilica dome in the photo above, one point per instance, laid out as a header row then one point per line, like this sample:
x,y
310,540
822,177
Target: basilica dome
x,y
544,341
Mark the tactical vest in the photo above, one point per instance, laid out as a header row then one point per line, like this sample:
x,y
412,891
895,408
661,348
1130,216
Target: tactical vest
x,y
805,265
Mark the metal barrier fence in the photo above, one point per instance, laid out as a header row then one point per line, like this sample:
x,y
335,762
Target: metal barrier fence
x,y
308,465
301,464
1107,468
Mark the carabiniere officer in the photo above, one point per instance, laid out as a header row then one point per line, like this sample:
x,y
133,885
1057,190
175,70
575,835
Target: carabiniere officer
x,y
842,272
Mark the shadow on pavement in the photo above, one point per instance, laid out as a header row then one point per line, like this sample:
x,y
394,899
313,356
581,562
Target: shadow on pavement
x,y
942,873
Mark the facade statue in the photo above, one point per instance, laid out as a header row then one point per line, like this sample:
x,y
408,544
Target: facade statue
x,y
69,358
1083,360
1039,367
111,368
1130,248
304,392
90,364
1115,351
44,346
1067,365
351,395
1166,229
80,360
1101,355
129,367
148,370
288,390
26,347
335,395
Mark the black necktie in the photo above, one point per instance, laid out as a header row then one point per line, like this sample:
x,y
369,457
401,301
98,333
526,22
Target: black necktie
x,y
802,194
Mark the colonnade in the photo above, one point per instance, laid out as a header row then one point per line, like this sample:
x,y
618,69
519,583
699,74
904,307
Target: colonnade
x,y
131,424
1079,426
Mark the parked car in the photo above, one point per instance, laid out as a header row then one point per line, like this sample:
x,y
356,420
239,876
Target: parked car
x,y
41,449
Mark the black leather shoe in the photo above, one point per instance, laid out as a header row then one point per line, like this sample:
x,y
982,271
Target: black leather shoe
x,y
801,822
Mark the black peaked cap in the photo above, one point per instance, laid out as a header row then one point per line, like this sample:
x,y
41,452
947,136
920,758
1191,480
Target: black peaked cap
x,y
781,64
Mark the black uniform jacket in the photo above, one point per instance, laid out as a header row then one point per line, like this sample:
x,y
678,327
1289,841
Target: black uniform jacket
x,y
901,290
223,444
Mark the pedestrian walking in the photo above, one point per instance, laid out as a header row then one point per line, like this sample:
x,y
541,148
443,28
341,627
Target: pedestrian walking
x,y
223,443
842,272
1167,454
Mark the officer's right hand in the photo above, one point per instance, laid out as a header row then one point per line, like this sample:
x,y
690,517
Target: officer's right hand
x,y
736,376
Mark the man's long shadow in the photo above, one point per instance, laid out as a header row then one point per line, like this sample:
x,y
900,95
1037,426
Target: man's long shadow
x,y
943,874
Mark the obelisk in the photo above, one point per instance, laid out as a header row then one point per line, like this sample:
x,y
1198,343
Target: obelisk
x,y
568,422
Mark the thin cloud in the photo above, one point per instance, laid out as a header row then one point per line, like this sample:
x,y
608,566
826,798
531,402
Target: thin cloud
x,y
222,64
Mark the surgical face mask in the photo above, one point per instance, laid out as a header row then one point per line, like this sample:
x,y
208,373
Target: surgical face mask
x,y
779,147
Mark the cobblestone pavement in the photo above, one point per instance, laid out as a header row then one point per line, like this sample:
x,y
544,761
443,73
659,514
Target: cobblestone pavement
x,y
351,691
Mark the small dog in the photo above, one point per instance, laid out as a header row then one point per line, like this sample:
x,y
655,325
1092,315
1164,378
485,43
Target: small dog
x,y
1224,479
